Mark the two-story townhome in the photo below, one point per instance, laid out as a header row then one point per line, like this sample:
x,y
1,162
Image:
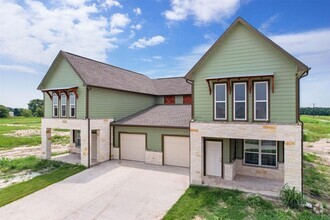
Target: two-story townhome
x,y
245,126
116,113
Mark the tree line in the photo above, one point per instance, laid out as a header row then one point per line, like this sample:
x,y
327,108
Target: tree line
x,y
35,109
315,111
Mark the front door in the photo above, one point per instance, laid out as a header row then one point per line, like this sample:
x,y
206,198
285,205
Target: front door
x,y
213,158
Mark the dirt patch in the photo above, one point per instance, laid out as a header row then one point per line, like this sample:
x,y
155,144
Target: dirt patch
x,y
321,148
17,178
31,151
35,132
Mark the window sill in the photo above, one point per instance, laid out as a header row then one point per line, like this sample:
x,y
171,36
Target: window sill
x,y
261,166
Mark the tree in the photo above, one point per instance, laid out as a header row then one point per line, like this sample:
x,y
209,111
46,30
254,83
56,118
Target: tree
x,y
39,112
4,112
34,104
26,112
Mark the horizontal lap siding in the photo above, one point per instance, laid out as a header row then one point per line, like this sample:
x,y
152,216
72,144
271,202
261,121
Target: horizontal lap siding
x,y
243,52
106,103
64,76
154,135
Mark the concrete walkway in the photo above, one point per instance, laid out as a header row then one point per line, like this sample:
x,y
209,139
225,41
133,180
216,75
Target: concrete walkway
x,y
111,190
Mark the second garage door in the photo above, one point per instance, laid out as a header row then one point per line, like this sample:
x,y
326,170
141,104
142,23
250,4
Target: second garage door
x,y
132,146
176,151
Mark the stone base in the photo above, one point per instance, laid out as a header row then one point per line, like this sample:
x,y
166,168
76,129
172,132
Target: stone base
x,y
154,157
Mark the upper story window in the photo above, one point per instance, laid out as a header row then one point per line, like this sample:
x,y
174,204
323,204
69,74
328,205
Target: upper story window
x,y
260,152
261,101
220,101
63,105
55,105
240,101
169,100
72,104
187,99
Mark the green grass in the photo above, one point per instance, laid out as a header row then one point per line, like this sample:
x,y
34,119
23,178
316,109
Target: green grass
x,y
57,171
216,203
316,128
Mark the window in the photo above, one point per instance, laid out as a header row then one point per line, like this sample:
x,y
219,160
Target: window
x,y
77,138
261,101
240,109
187,99
220,99
63,105
260,153
169,100
55,105
72,104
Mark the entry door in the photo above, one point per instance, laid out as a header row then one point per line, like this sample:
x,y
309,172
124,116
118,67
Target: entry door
x,y
213,158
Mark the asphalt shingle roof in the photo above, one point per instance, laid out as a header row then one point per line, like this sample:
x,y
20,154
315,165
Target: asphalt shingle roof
x,y
160,116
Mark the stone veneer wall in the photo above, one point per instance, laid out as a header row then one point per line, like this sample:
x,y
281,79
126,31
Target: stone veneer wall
x,y
270,173
290,134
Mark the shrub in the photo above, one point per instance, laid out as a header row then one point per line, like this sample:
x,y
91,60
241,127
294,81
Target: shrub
x,y
291,197
4,112
26,113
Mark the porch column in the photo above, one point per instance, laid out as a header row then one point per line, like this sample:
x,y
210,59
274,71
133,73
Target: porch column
x,y
84,143
292,164
46,134
196,167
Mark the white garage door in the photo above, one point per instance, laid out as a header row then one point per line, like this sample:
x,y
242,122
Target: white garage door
x,y
176,151
132,146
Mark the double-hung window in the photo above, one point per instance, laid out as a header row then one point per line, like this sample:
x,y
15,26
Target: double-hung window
x,y
55,105
240,106
260,153
72,104
261,100
63,105
220,101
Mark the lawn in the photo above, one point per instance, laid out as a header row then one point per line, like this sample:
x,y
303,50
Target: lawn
x,y
316,127
10,126
51,172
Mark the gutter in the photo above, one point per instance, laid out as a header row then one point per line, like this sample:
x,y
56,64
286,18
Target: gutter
x,y
88,126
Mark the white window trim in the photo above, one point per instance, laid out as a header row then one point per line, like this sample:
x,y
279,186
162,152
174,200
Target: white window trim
x,y
215,101
65,104
72,104
240,101
56,104
255,101
259,156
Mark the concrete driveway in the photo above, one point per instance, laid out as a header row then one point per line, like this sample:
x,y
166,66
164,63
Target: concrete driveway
x,y
111,190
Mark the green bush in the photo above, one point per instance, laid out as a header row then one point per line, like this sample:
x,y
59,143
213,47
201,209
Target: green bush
x,y
26,113
291,197
4,112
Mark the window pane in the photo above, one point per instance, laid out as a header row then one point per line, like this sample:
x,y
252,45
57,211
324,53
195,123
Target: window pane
x,y
240,110
261,91
220,110
63,110
261,109
239,92
72,98
63,99
72,112
252,146
220,92
268,160
55,111
252,158
268,147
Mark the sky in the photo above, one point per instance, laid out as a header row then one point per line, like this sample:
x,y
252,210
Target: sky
x,y
159,38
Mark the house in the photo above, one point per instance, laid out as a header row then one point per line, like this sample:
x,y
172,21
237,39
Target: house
x,y
233,119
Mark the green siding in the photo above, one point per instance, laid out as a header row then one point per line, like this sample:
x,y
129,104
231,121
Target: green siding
x,y
62,75
178,100
226,151
154,135
160,100
242,52
106,103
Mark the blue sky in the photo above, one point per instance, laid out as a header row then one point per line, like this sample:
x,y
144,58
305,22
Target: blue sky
x,y
159,38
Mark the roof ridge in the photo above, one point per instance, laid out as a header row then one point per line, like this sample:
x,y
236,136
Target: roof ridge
x,y
174,77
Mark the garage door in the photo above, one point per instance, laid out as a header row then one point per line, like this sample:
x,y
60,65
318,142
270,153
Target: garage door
x,y
176,151
132,146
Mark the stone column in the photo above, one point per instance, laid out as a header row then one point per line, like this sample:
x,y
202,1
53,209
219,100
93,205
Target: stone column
x,y
84,143
196,168
46,134
292,164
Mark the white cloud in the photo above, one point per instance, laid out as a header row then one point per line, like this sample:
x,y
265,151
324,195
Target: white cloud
x,y
137,11
35,33
203,11
264,27
157,57
145,42
151,59
18,68
136,27
111,3
117,22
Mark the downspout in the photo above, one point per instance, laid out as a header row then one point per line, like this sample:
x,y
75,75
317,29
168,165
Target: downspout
x,y
302,129
88,126
192,116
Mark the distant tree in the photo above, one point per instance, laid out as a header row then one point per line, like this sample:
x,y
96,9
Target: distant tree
x,y
17,112
34,104
4,112
315,111
39,112
26,113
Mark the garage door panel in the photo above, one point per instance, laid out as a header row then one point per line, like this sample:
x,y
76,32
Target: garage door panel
x,y
176,151
132,147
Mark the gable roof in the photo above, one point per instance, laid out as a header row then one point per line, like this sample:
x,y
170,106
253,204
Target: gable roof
x,y
98,74
177,116
301,66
